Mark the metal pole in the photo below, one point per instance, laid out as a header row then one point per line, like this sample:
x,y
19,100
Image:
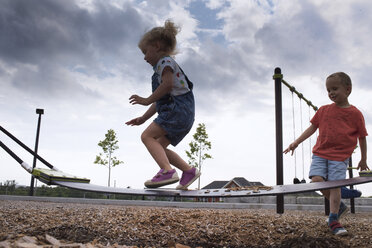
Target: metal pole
x,y
352,200
279,137
39,112
326,207
27,148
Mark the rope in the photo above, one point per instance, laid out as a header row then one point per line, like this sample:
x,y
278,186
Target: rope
x,y
309,137
302,144
299,94
310,104
294,131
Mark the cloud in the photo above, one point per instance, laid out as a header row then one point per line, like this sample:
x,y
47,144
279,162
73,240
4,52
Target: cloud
x,y
35,32
49,48
44,44
301,39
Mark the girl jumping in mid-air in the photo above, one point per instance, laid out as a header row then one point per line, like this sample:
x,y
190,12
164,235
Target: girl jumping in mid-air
x,y
173,100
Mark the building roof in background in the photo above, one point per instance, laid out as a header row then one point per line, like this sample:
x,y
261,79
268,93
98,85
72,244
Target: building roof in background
x,y
235,182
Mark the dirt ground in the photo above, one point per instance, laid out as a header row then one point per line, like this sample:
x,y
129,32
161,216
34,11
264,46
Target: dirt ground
x,y
40,224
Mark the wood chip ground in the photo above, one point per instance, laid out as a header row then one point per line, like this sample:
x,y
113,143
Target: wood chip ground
x,y
39,224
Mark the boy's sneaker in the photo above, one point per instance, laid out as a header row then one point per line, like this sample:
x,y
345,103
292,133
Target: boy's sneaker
x,y
343,210
337,229
188,177
162,178
347,193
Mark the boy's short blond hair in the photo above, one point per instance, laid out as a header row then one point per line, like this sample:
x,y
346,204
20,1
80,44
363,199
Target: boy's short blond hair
x,y
165,35
342,76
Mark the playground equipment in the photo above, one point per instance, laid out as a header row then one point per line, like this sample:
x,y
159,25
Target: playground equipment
x,y
311,106
54,176
278,78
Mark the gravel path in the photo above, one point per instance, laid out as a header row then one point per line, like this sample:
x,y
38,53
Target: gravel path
x,y
41,224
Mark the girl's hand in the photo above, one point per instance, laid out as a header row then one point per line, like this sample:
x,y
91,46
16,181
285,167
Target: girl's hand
x,y
362,165
291,147
136,121
135,99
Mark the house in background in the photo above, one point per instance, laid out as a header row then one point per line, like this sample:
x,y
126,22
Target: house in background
x,y
233,183
236,182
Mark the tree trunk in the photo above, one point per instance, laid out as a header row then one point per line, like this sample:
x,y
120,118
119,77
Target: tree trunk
x,y
200,148
109,177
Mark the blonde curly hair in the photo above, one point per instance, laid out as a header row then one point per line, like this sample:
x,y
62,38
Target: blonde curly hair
x,y
165,35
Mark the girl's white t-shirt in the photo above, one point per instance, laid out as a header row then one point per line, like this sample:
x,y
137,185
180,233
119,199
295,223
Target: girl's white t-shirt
x,y
180,85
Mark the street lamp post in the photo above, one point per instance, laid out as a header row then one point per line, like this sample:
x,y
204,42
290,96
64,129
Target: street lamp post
x,y
39,112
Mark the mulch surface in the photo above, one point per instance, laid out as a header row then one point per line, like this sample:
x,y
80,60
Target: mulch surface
x,y
41,224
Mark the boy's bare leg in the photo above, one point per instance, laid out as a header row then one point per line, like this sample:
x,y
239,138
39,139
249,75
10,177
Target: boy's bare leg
x,y
316,179
151,137
334,200
333,195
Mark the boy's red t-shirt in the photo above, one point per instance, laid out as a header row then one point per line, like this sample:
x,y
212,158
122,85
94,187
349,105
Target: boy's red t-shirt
x,y
339,130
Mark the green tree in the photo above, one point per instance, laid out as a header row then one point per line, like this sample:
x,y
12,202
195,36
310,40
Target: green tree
x,y
109,145
198,147
8,187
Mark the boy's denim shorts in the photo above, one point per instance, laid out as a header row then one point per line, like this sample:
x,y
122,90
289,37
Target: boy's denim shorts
x,y
330,170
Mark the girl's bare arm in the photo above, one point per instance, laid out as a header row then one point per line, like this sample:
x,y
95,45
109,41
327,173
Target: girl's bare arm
x,y
142,119
164,88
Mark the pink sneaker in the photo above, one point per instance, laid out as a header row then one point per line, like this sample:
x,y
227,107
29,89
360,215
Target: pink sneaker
x,y
188,177
162,178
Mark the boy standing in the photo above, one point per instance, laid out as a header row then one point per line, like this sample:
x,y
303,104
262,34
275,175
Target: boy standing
x,y
340,126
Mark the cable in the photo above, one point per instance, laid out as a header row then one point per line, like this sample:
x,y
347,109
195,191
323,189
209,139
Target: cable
x,y
294,131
